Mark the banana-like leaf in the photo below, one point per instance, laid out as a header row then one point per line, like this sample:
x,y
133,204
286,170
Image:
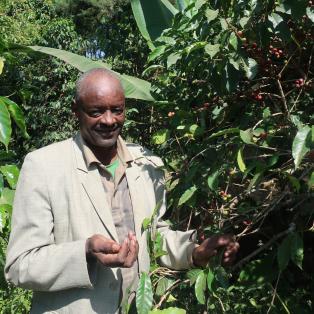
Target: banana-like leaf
x,y
152,17
133,87
5,124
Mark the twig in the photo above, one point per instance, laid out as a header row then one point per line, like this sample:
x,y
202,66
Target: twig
x,y
283,98
263,247
275,293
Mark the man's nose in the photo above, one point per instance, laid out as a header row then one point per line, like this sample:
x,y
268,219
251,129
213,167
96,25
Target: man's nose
x,y
107,118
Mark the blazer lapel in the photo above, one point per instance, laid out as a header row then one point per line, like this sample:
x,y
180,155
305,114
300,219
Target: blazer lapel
x,y
92,185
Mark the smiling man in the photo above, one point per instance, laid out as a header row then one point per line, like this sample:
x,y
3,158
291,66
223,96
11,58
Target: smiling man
x,y
76,238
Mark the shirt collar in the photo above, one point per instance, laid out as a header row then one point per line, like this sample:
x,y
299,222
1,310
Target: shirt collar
x,y
122,150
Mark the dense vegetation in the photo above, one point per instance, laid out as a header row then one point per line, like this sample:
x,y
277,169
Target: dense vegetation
x,y
232,119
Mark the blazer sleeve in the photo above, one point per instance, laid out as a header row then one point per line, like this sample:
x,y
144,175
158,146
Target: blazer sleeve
x,y
178,244
34,261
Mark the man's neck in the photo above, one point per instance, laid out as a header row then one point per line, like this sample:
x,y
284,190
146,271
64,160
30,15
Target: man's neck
x,y
106,155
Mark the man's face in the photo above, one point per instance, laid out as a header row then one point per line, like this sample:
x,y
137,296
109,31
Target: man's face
x,y
101,113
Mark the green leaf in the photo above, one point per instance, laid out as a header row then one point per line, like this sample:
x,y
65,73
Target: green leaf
x,y
194,46
144,294
162,285
152,17
283,253
161,136
7,197
222,277
211,14
212,180
187,195
1,64
297,251
275,19
240,161
173,58
309,12
210,279
5,214
300,145
224,132
169,310
311,181
146,223
246,136
199,3
133,87
11,173
212,50
193,274
233,41
156,53
200,286
17,115
5,124
250,68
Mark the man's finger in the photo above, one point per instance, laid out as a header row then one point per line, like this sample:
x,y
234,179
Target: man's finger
x,y
133,252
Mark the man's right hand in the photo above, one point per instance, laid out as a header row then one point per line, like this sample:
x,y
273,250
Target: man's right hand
x,y
110,253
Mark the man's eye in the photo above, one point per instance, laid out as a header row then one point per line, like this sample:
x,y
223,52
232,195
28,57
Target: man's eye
x,y
117,111
94,114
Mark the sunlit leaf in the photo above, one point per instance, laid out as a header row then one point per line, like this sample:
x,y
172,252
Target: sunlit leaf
x,y
5,124
144,294
1,64
250,68
210,279
300,145
297,251
187,195
17,114
7,197
193,274
200,286
161,136
246,136
169,310
162,285
211,14
240,161
212,50
212,180
133,86
11,173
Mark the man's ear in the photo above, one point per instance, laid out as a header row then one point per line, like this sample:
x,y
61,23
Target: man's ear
x,y
74,107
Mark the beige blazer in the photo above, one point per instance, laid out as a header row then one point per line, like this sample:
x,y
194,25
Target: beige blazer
x,y
58,204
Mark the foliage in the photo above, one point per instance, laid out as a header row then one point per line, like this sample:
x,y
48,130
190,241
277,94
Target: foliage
x,y
236,78
12,300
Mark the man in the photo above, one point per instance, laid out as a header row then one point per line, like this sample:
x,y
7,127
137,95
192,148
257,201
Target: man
x,y
76,236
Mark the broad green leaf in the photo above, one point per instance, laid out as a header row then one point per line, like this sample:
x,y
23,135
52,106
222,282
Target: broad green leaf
x,y
5,124
297,251
133,87
199,3
11,173
210,279
152,17
161,136
162,285
146,223
169,310
275,19
1,64
240,161
223,132
300,145
7,197
144,294
156,53
283,253
5,213
211,14
246,136
310,13
212,50
250,67
193,274
233,41
200,286
212,180
194,46
187,195
17,114
173,58
222,277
